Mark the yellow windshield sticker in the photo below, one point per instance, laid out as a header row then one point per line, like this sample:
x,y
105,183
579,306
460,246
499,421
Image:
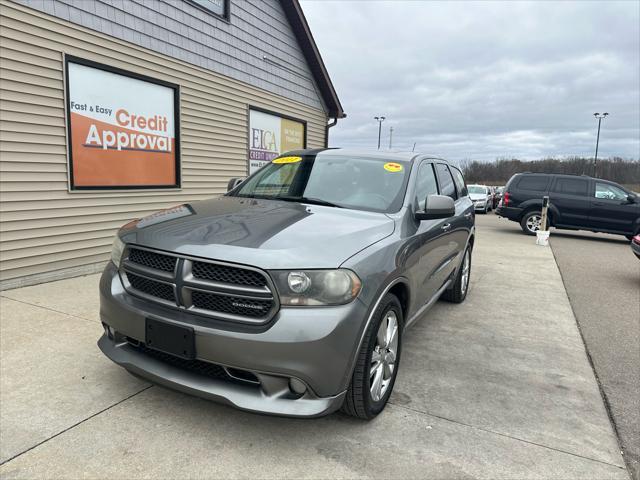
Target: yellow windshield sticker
x,y
392,167
287,160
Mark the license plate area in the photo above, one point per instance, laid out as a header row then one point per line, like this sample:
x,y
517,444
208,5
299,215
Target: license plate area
x,y
169,338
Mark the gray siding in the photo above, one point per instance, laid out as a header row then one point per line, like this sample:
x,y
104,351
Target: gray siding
x,y
177,28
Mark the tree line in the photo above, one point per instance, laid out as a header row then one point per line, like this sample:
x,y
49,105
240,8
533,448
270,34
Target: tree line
x,y
616,169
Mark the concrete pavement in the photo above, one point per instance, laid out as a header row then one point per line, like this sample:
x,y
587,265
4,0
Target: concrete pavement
x,y
602,278
494,388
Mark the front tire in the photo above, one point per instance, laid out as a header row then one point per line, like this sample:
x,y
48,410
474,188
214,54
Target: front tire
x,y
458,292
377,363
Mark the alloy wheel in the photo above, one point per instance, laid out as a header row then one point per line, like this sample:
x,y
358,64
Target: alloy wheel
x,y
534,222
466,268
383,358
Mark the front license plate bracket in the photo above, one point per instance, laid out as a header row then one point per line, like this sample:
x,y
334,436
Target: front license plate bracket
x,y
169,338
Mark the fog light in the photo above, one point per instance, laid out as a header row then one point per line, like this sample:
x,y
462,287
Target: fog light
x,y
297,386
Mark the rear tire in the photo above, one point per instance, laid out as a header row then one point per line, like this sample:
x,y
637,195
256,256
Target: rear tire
x,y
364,399
531,222
460,288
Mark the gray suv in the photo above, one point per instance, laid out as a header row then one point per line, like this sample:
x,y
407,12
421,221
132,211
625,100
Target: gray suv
x,y
291,294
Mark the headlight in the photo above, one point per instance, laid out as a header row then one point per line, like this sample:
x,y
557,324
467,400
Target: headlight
x,y
316,287
116,251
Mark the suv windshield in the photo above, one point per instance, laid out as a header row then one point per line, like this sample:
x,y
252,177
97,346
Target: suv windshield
x,y
476,189
359,183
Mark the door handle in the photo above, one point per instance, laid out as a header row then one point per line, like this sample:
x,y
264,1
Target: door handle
x,y
446,227
598,204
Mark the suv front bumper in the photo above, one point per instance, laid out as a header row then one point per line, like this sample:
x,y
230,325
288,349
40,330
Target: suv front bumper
x,y
315,346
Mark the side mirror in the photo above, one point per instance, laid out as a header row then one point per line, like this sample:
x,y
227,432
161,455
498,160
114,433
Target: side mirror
x,y
437,206
233,183
631,198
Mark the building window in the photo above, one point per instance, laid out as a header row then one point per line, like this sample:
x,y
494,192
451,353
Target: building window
x,y
123,128
271,134
217,7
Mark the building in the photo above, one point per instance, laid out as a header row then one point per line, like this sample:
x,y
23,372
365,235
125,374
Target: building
x,y
112,109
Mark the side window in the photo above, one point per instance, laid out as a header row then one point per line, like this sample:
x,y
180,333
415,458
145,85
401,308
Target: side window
x,y
425,184
572,186
459,181
447,187
534,183
610,192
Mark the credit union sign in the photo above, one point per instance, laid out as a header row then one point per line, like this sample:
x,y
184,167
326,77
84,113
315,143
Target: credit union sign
x,y
270,135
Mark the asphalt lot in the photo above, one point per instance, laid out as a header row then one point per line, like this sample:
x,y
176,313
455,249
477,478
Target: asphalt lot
x,y
602,279
498,387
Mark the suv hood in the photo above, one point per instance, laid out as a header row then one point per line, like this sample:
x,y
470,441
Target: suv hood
x,y
269,234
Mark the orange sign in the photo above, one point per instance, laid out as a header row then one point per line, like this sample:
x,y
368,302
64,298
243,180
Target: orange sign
x,y
122,130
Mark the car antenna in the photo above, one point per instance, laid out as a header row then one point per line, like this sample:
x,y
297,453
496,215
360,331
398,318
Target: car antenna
x,y
414,147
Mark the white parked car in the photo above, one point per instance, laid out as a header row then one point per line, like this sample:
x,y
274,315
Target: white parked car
x,y
481,197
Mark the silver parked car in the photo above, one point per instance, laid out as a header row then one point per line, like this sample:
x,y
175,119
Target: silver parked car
x,y
481,197
292,293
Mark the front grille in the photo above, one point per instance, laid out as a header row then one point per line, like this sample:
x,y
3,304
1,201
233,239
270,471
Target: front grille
x,y
226,274
151,287
240,306
149,259
210,288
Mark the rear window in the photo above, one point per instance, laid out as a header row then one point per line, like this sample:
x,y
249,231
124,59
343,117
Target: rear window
x,y
572,186
536,184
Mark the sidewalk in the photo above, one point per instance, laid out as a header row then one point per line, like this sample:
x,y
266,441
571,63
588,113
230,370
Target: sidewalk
x,y
497,387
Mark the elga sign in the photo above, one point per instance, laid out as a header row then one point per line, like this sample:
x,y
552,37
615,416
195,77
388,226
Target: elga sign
x,y
270,135
122,129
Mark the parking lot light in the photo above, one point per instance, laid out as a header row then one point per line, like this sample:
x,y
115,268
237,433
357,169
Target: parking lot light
x,y
599,116
379,120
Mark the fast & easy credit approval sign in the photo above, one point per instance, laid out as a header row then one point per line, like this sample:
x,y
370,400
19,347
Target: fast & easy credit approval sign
x,y
270,135
122,129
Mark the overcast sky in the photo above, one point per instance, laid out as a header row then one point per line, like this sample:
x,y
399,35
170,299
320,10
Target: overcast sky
x,y
482,80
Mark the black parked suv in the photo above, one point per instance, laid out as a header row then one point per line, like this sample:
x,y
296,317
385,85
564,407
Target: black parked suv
x,y
575,203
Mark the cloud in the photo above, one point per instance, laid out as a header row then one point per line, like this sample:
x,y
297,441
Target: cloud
x,y
482,80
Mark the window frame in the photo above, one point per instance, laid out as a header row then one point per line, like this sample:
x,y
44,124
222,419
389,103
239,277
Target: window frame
x,y
226,16
465,189
71,186
453,182
284,116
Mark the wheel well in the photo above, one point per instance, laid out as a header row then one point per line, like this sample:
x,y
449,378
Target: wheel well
x,y
401,291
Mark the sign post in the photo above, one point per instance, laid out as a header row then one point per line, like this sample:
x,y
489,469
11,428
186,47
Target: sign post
x,y
542,235
545,208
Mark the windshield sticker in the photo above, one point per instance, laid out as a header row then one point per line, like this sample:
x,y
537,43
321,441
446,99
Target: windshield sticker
x,y
287,160
392,167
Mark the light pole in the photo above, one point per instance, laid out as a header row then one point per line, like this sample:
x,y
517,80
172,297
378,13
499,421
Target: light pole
x,y
599,116
379,120
390,137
